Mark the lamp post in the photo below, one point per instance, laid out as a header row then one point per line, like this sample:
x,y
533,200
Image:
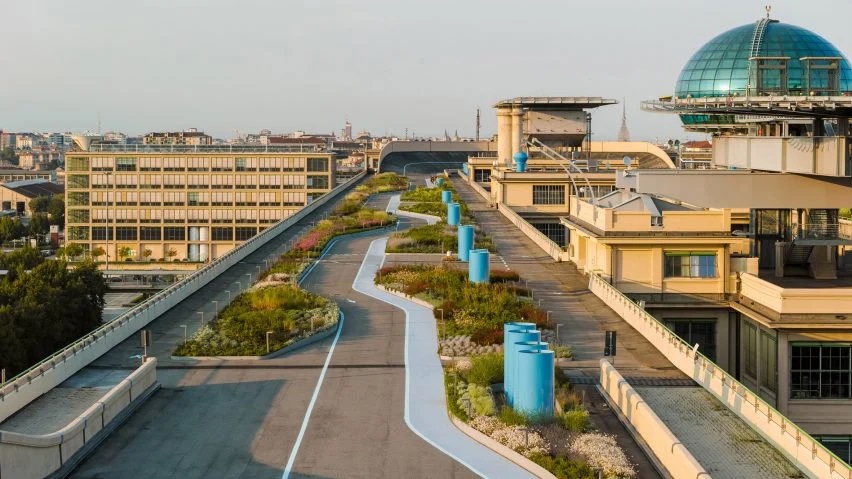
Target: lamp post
x,y
184,333
558,341
267,341
443,324
229,295
240,286
215,309
249,281
202,318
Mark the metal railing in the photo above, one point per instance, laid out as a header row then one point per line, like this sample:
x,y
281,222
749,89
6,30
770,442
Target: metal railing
x,y
818,231
727,389
243,249
292,148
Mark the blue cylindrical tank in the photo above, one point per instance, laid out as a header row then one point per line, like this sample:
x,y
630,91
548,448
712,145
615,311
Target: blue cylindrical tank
x,y
446,196
514,333
520,161
465,241
439,182
478,266
465,168
524,345
453,214
533,394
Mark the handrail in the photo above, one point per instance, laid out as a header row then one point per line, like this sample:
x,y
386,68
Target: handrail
x,y
835,464
74,347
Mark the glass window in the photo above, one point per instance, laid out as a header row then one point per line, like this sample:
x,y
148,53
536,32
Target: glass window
x,y
315,182
555,231
690,265
317,164
127,233
220,233
548,195
174,233
125,164
820,371
244,233
696,331
768,361
749,341
150,233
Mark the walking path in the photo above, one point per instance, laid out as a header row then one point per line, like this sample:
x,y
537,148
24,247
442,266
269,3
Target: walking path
x,y
425,403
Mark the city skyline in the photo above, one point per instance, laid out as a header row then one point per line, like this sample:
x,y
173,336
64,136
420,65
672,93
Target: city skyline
x,y
382,66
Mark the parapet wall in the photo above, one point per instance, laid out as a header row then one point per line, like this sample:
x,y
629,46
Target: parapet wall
x,y
805,452
673,455
29,385
25,456
548,245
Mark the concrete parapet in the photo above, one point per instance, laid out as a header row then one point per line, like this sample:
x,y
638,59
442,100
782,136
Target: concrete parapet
x,y
25,456
805,452
673,455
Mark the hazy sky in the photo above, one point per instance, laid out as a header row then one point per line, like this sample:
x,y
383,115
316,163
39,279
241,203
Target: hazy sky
x,y
385,65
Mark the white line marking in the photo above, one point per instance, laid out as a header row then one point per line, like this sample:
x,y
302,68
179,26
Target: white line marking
x,y
295,451
407,365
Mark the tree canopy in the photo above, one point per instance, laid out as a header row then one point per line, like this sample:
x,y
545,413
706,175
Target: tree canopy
x,y
44,306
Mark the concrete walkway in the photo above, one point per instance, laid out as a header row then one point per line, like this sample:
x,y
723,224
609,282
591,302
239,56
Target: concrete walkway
x,y
425,404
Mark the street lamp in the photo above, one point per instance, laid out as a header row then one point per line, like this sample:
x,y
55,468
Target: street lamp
x,y
443,324
267,341
249,281
558,341
184,333
215,309
202,317
229,295
240,286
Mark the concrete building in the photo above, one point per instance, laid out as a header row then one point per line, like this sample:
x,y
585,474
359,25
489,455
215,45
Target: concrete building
x,y
191,203
186,137
16,195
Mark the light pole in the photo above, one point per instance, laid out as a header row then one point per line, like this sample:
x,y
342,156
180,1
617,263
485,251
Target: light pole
x,y
215,309
202,318
443,324
229,295
249,281
558,341
240,286
267,341
184,333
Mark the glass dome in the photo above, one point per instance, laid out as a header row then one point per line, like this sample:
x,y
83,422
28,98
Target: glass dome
x,y
721,67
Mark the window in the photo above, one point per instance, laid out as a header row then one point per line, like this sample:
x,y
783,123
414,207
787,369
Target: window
x,y
149,233
482,175
690,264
839,445
820,371
244,233
749,341
768,362
240,164
127,233
76,198
78,232
555,231
174,233
77,181
548,194
317,182
125,164
99,233
317,164
700,331
222,234
314,196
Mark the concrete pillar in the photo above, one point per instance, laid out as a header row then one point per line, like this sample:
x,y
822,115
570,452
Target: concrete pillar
x,y
780,258
517,130
504,135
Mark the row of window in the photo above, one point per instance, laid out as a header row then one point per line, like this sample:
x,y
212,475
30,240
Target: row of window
x,y
548,195
178,181
75,163
166,233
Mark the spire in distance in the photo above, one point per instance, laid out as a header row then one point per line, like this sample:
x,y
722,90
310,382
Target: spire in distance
x,y
624,133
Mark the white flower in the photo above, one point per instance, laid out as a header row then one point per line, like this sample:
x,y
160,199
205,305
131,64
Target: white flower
x,y
602,452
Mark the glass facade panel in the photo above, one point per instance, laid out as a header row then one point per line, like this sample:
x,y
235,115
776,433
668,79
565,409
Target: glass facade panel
x,y
820,371
548,195
690,265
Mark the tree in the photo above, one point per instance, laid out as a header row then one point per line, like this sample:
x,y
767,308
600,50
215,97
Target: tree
x,y
74,250
125,252
98,252
39,224
56,210
8,156
147,253
39,204
171,253
11,228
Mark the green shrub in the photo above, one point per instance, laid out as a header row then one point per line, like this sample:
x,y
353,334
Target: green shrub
x,y
486,369
564,468
485,337
575,420
561,351
481,400
846,213
568,397
511,417
452,385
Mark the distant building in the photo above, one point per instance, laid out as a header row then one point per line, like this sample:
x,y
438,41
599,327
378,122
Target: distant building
x,y
17,195
16,174
40,158
186,137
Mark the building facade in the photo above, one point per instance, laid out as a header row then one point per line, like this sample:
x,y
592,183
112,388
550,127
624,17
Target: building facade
x,y
176,203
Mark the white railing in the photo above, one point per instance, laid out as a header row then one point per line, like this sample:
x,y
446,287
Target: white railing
x,y
548,245
47,374
805,452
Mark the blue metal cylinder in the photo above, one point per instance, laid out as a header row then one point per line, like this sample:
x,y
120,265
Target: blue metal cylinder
x,y
465,237
465,168
514,333
478,266
439,182
520,161
534,389
446,196
524,345
453,214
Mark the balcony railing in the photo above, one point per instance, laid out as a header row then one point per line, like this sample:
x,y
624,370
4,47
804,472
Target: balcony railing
x,y
818,231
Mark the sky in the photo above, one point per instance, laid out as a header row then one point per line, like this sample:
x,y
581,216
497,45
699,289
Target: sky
x,y
384,65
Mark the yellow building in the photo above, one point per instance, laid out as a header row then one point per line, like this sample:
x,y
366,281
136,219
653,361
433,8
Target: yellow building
x,y
190,203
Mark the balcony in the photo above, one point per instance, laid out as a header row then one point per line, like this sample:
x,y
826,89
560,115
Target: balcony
x,y
796,301
825,156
